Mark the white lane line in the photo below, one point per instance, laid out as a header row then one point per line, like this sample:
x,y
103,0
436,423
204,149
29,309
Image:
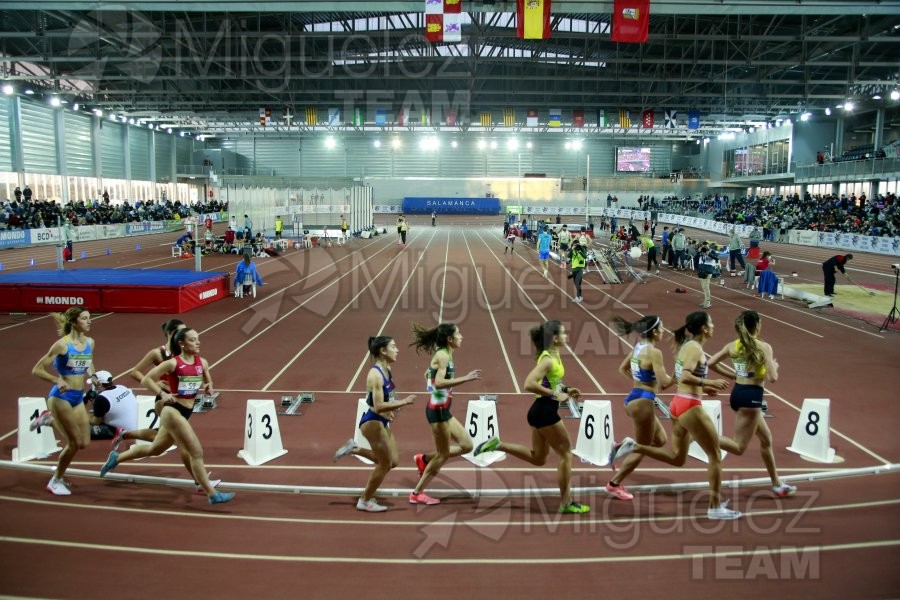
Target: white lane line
x,y
347,306
487,304
412,273
444,282
281,318
538,310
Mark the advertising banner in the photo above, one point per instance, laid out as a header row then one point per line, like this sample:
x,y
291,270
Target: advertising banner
x,y
459,206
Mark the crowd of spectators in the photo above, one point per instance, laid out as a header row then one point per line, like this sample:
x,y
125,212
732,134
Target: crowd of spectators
x,y
879,216
35,214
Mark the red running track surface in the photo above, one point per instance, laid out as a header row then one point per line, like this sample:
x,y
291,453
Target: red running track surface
x,y
307,331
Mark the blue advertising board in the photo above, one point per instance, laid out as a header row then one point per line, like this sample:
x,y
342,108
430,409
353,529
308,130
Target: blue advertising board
x,y
452,206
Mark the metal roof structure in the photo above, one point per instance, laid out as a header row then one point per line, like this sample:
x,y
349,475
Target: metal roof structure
x,y
209,67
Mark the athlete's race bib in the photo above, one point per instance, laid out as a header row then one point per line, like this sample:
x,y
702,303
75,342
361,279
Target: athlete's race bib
x,y
189,385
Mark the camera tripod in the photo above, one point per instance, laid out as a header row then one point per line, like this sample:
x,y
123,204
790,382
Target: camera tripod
x,y
892,316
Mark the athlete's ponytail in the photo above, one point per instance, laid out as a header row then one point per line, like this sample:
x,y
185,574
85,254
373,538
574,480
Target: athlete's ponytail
x,y
433,339
693,324
542,335
645,326
65,322
377,343
747,326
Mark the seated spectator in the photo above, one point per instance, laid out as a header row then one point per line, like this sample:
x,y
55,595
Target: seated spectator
x,y
765,260
229,239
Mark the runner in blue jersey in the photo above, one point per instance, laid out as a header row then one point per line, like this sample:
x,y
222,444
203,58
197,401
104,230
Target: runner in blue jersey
x,y
543,243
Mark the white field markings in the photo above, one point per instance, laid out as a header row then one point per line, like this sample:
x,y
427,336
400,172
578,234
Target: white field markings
x,y
770,392
299,306
412,273
539,311
348,305
444,282
487,304
471,560
363,522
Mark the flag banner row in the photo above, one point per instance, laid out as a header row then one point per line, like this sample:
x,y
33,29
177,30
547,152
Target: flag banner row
x,y
410,116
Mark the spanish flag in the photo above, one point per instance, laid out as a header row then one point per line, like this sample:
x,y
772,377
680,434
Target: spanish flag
x,y
533,19
487,119
509,117
312,116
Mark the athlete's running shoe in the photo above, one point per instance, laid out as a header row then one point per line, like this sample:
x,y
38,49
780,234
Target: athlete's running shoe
x,y
619,491
420,464
369,506
348,447
784,490
111,463
422,498
221,497
119,438
488,446
723,513
575,508
58,487
620,451
42,420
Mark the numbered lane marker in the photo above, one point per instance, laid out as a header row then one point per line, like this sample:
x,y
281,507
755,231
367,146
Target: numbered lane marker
x,y
358,437
714,409
482,424
812,438
147,417
39,443
595,432
262,437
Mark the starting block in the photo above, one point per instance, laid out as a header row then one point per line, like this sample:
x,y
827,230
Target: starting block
x,y
482,424
714,409
205,402
358,437
595,433
262,436
39,443
812,438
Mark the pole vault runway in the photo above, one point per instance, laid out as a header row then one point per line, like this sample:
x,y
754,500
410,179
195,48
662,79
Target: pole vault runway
x,y
292,529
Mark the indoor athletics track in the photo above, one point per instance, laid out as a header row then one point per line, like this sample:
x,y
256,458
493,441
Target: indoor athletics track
x,y
307,331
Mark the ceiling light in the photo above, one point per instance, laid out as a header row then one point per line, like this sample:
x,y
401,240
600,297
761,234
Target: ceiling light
x,y
895,95
377,143
330,143
482,144
848,106
493,144
131,121
805,116
54,101
29,92
395,142
169,130
512,144
528,145
75,106
876,97
828,112
454,144
8,89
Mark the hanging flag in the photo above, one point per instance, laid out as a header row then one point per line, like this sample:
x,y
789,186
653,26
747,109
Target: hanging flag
x,y
334,117
359,116
312,117
647,119
671,116
601,118
443,20
533,19
426,117
555,117
578,117
287,115
487,119
265,116
624,119
693,119
380,117
631,21
450,117
532,118
403,116
509,117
